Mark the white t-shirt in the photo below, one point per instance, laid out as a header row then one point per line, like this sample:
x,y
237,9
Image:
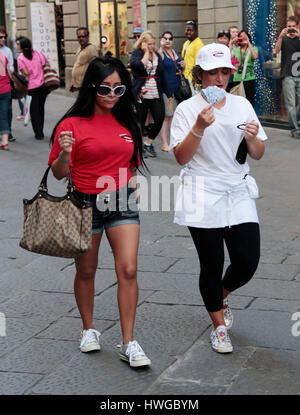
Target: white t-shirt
x,y
218,190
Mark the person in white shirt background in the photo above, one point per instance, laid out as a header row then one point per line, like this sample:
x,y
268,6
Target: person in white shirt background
x,y
205,139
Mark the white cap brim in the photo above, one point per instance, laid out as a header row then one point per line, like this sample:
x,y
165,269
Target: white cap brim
x,y
209,67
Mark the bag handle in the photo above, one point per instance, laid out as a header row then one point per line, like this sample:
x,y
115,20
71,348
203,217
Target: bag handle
x,y
43,185
245,65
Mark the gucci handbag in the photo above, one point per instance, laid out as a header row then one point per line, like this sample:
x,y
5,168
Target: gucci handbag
x,y
57,226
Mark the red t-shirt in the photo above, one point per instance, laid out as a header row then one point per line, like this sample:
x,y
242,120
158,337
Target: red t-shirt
x,y
4,78
102,147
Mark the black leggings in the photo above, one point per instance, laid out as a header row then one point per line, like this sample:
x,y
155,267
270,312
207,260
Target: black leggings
x,y
157,109
37,109
243,244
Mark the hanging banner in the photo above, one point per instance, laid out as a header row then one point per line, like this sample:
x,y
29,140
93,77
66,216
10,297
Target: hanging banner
x,y
136,13
44,31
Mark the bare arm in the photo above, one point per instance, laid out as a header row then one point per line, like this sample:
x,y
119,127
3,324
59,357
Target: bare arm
x,y
254,52
279,41
25,72
133,177
256,147
61,168
145,58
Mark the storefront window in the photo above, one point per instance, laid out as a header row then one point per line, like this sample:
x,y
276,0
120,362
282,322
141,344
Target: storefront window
x,y
93,22
108,38
107,22
264,20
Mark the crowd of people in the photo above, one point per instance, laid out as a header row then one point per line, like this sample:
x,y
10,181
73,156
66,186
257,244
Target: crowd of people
x,y
117,114
155,73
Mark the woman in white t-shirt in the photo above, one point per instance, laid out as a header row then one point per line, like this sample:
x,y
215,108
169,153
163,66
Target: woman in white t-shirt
x,y
216,196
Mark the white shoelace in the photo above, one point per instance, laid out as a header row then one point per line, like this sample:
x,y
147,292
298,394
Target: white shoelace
x,y
134,350
90,336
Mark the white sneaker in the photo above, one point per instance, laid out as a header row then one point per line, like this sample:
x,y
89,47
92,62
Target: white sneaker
x,y
133,354
228,316
90,340
220,340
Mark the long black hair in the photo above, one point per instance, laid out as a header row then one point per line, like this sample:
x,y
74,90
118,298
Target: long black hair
x,y
26,47
124,111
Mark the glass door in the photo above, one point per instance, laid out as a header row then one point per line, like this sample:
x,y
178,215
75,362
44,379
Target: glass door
x,y
113,28
107,28
122,32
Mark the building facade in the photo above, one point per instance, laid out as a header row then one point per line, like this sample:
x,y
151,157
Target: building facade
x,y
111,24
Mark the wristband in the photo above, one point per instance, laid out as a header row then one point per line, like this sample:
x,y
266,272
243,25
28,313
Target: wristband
x,y
61,159
195,134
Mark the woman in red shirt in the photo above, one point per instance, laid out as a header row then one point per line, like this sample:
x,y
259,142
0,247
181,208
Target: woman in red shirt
x,y
100,139
5,95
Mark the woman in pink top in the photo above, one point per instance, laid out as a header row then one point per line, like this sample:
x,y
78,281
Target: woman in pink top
x,y
30,64
5,95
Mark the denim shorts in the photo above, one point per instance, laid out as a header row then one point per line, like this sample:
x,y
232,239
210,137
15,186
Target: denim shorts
x,y
112,208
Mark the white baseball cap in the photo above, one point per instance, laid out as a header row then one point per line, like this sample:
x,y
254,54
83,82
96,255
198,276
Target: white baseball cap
x,y
214,55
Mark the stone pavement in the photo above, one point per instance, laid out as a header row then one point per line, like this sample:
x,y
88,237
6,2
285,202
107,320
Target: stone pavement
x,y
39,354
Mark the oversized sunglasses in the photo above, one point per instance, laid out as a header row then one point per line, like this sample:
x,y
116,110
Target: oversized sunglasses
x,y
105,90
3,37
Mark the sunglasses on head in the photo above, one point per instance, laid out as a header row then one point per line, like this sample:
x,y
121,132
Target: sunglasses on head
x,y
105,90
225,32
190,22
81,36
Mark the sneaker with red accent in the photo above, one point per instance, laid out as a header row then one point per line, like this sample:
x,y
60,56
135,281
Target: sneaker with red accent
x,y
220,340
228,316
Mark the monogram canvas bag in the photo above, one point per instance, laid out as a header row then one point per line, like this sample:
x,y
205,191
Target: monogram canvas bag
x,y
57,226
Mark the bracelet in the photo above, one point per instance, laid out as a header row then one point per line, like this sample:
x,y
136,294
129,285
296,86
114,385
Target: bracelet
x,y
64,161
196,135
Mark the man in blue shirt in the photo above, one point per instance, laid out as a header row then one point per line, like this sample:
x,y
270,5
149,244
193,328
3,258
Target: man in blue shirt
x,y
8,53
